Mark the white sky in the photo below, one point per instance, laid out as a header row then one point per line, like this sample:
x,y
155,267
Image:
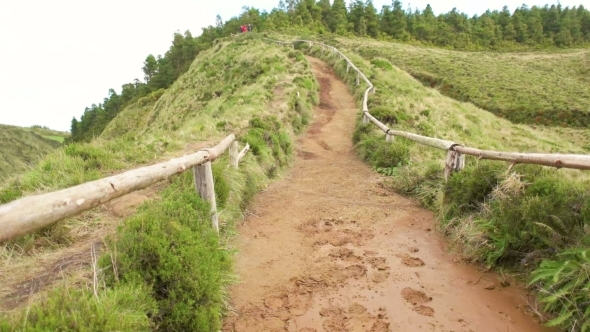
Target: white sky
x,y
61,56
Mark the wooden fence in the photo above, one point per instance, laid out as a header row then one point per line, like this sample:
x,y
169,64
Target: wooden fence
x,y
455,152
31,213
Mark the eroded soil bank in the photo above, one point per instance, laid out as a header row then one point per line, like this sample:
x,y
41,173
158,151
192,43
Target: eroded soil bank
x,y
328,249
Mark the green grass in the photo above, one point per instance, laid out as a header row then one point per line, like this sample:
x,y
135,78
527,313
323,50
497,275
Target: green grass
x,y
228,89
120,309
538,88
22,148
59,139
512,220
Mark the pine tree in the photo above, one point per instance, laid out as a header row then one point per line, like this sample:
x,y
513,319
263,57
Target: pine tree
x,y
339,23
326,10
302,11
356,22
399,23
386,20
371,19
150,67
520,27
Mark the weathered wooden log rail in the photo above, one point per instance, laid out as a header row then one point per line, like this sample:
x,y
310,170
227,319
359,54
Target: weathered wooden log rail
x,y
32,213
455,152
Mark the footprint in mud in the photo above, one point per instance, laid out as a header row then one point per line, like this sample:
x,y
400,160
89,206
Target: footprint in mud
x,y
292,301
413,249
417,298
335,232
356,318
344,254
306,155
324,145
382,269
379,276
424,310
410,261
336,320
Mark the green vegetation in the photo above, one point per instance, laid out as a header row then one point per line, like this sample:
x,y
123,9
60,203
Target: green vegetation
x,y
23,147
535,27
498,82
532,220
55,135
167,254
525,28
121,309
170,247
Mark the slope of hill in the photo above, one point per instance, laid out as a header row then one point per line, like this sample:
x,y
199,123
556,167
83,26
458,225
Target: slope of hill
x,y
544,88
166,256
21,147
242,86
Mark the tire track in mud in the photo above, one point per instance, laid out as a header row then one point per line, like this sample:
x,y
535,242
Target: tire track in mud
x,y
329,249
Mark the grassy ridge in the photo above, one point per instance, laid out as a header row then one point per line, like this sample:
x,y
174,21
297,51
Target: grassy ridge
x,y
21,148
532,88
532,221
58,136
170,239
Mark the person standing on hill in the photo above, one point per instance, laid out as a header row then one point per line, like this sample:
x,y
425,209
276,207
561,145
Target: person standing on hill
x,y
249,27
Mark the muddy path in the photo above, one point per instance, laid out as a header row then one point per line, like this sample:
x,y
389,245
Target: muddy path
x,y
328,249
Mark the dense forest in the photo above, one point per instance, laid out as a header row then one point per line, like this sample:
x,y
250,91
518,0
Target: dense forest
x,y
536,27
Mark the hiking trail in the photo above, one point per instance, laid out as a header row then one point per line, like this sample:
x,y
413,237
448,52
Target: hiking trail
x,y
328,249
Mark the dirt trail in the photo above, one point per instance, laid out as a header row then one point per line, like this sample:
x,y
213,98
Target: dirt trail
x,y
327,249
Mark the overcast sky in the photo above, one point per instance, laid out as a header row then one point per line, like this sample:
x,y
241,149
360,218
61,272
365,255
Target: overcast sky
x,y
61,56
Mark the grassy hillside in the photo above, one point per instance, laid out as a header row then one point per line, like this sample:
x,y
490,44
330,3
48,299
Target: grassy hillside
x,y
530,220
58,136
245,87
21,147
533,88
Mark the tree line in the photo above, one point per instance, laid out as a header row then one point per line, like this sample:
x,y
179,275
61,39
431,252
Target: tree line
x,y
534,27
547,26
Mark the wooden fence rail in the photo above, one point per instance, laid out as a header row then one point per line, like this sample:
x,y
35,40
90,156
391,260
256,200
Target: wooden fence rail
x,y
455,151
31,213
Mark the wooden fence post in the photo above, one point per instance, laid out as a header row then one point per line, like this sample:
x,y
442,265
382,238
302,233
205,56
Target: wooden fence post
x,y
454,163
233,154
357,77
203,175
347,66
365,119
243,152
374,88
389,137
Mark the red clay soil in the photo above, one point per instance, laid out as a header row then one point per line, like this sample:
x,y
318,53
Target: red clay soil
x,y
328,249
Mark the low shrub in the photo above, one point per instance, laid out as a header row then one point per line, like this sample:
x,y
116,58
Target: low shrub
x,y
170,247
125,308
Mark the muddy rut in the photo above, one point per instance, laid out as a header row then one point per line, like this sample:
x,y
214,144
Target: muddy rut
x,y
328,249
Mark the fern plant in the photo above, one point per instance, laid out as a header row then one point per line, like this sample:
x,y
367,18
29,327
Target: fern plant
x,y
564,288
